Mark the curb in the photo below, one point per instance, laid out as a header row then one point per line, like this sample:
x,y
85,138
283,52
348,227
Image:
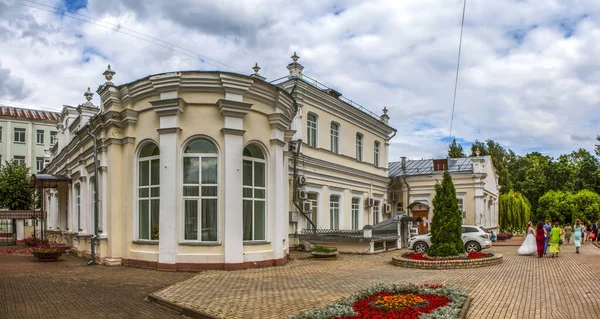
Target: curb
x,y
447,264
185,311
465,308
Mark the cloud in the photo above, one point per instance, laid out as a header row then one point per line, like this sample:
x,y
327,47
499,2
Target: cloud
x,y
12,87
529,78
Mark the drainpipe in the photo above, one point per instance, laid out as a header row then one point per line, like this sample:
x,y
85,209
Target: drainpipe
x,y
405,183
96,190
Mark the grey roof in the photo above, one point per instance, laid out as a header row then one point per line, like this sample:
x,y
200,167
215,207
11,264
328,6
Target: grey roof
x,y
425,167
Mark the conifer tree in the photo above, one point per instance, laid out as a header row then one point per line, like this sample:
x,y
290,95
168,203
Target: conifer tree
x,y
446,226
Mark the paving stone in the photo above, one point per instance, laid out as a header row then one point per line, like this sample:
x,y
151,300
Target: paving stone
x,y
521,287
70,289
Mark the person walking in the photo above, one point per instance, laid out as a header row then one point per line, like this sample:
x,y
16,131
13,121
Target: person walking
x,y
595,230
578,235
568,233
548,228
588,231
540,238
555,240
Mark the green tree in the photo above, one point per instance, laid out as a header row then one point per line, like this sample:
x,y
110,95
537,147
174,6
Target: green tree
x,y
479,146
455,150
598,146
587,170
556,205
16,192
587,206
514,211
446,225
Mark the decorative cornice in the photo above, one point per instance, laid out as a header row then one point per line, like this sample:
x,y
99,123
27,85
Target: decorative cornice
x,y
288,135
166,82
229,108
119,141
231,131
169,130
235,84
129,116
277,142
168,107
279,121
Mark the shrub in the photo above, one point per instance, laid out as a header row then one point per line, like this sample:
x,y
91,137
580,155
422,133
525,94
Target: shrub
x,y
446,226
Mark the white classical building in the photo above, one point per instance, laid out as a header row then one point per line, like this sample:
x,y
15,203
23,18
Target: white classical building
x,y
194,170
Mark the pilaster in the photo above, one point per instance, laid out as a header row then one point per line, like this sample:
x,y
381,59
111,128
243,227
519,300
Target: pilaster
x,y
233,113
169,109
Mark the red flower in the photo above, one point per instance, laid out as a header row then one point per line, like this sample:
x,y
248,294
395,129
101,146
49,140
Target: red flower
x,y
366,310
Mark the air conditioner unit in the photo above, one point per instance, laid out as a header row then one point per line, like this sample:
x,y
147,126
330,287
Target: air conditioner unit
x,y
307,207
301,180
293,217
302,194
387,208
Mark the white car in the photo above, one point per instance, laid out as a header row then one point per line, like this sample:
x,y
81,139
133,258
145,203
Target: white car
x,y
475,239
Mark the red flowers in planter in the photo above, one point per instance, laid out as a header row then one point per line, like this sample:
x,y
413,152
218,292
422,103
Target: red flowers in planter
x,y
469,256
397,306
34,241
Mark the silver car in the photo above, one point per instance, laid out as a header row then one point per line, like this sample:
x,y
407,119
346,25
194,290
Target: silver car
x,y
475,239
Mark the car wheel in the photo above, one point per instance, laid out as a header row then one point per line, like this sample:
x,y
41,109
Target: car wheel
x,y
472,247
420,247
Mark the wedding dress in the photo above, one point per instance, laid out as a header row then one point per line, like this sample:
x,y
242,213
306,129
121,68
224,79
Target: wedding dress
x,y
529,246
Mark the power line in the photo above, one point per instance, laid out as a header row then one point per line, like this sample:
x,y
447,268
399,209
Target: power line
x,y
131,33
462,25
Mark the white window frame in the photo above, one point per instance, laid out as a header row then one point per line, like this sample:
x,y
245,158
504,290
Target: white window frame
x,y
377,211
315,209
38,135
376,152
333,211
39,164
53,137
312,140
359,146
149,159
21,133
253,187
334,137
355,212
200,197
77,209
20,160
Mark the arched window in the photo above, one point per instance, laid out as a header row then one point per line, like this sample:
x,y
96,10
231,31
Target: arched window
x,y
376,154
335,137
311,130
334,212
254,193
200,183
359,147
148,192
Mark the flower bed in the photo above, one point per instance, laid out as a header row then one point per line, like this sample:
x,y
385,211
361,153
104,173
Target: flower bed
x,y
424,262
34,241
470,255
393,301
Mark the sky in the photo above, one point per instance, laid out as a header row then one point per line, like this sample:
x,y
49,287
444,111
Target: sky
x,y
529,76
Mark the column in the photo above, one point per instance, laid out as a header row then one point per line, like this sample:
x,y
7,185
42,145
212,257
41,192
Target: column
x,y
233,113
168,110
279,179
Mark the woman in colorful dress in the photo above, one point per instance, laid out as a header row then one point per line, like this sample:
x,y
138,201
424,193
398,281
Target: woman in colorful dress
x,y
568,232
540,238
555,234
577,235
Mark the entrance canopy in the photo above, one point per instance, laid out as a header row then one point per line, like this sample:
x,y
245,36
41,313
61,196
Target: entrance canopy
x,y
21,214
418,206
48,180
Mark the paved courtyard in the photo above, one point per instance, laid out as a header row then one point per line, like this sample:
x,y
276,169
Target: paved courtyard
x,y
520,287
71,289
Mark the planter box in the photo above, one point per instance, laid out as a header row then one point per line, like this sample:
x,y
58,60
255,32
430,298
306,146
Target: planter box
x,y
47,256
324,255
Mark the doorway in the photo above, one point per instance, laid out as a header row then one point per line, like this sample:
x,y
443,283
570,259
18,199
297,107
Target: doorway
x,y
424,214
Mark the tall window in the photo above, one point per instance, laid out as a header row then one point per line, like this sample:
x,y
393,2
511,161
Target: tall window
x,y
335,137
313,198
376,212
40,136
149,192
92,194
200,167
19,160
254,189
355,212
53,138
78,207
359,147
461,206
311,130
334,212
39,163
0,134
20,135
376,154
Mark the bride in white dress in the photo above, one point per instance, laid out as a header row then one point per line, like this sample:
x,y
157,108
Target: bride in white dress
x,y
529,246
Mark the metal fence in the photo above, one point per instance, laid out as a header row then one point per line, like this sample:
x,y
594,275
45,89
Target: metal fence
x,y
8,234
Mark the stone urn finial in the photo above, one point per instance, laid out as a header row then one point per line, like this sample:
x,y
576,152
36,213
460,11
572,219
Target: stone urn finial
x,y
295,57
108,74
256,68
88,95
